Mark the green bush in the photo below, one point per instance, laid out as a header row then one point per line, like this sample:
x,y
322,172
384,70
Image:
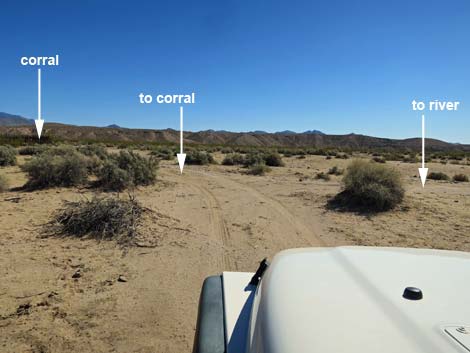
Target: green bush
x,y
258,169
165,153
234,159
3,183
7,156
113,178
126,169
199,158
438,176
49,170
141,170
462,178
31,150
273,160
371,187
94,151
254,159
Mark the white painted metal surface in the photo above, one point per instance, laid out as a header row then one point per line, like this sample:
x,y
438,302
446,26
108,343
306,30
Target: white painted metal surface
x,y
349,299
238,298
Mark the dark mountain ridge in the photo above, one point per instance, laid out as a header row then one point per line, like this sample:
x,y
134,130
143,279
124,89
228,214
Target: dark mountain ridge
x,y
211,137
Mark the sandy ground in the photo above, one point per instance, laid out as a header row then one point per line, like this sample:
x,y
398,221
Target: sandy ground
x,y
208,220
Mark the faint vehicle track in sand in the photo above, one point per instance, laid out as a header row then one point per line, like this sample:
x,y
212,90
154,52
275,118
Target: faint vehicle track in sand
x,y
307,235
218,227
286,230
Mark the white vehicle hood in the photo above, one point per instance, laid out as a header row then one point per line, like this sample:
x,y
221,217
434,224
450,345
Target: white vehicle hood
x,y
349,299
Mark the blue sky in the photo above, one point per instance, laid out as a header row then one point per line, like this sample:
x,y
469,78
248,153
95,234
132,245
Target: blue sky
x,y
337,66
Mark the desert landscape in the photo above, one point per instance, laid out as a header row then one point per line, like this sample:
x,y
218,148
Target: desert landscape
x,y
63,293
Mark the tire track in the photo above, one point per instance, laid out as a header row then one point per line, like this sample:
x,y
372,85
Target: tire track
x,y
217,226
301,229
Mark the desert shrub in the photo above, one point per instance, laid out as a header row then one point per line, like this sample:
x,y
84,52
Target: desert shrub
x,y
100,218
111,177
328,157
234,159
3,183
49,170
438,176
341,156
141,170
378,159
126,169
165,153
273,160
61,150
370,186
226,150
322,176
199,158
335,171
410,159
460,178
94,151
254,159
31,150
7,156
258,169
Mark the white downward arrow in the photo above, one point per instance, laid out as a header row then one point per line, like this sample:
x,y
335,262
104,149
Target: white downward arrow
x,y
423,172
181,156
39,122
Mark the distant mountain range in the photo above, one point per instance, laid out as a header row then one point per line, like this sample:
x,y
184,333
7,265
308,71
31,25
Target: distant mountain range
x,y
14,120
13,125
17,120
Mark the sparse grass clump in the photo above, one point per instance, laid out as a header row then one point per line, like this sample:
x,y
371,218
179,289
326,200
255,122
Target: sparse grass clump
x,y
258,169
234,159
410,159
100,218
7,156
378,159
199,158
335,171
370,187
460,178
51,169
125,170
342,156
3,183
322,176
438,176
